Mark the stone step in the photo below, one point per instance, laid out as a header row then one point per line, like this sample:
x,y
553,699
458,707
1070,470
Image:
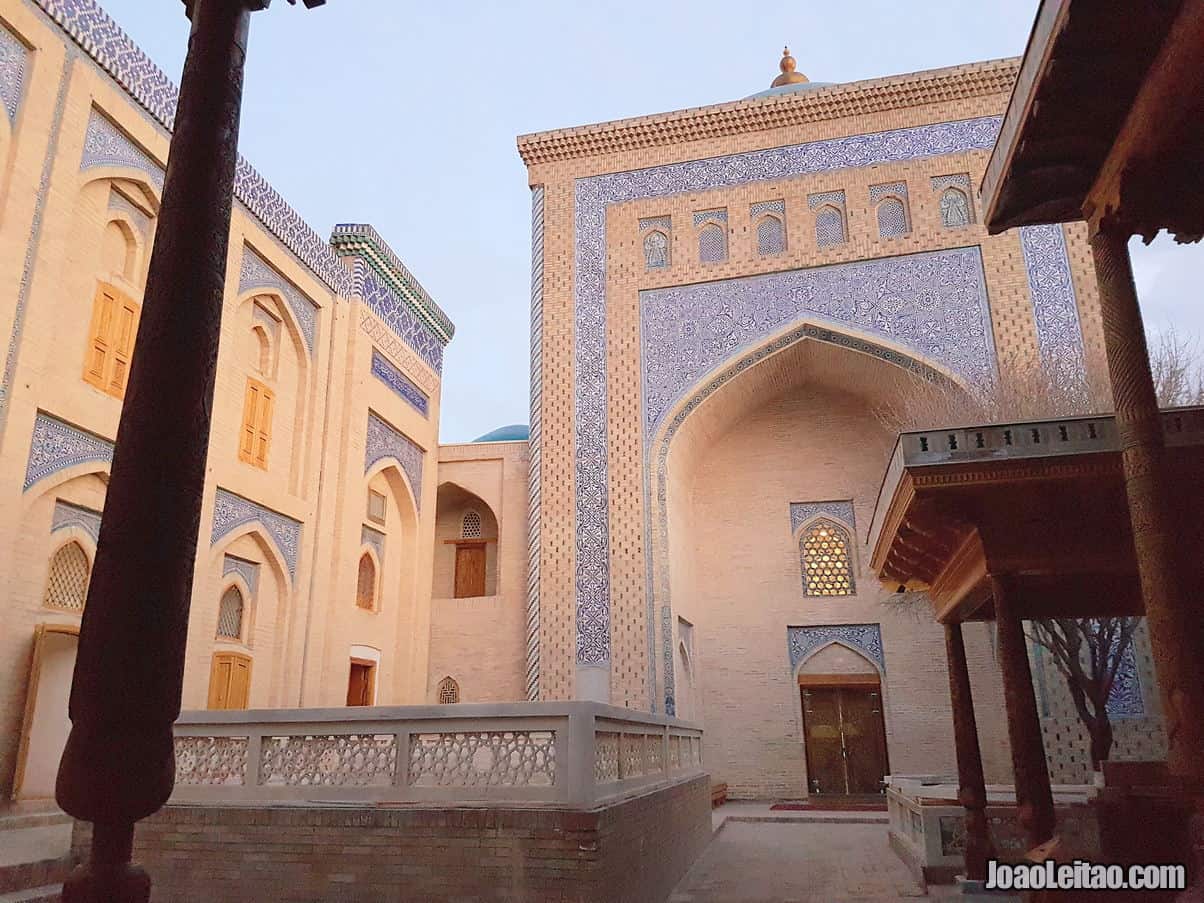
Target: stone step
x,y
15,818
47,893
40,873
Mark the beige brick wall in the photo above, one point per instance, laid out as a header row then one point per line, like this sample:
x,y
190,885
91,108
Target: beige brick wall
x,y
494,854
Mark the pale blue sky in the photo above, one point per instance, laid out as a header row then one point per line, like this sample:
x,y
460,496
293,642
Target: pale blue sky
x,y
404,115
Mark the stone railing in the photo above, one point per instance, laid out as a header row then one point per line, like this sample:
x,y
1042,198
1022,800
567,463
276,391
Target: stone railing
x,y
573,754
927,824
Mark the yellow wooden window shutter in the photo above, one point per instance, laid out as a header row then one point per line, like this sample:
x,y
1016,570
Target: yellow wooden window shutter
x,y
111,340
125,328
100,336
256,434
246,447
264,426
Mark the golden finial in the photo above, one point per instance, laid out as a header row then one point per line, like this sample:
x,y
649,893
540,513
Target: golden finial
x,y
788,76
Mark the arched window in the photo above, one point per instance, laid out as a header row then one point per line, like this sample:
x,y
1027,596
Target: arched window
x,y
67,586
892,218
829,226
712,244
263,350
470,526
656,250
770,236
826,558
365,586
955,208
449,691
229,615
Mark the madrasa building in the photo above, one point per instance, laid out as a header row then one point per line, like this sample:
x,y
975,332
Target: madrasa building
x,y
721,298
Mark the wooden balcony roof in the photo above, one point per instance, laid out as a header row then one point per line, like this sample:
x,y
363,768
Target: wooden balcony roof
x,y
1042,502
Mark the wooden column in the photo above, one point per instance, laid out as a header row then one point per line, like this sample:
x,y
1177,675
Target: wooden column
x,y
1171,614
119,765
1033,794
972,790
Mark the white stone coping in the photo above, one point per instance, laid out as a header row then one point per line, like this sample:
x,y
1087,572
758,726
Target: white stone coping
x,y
557,754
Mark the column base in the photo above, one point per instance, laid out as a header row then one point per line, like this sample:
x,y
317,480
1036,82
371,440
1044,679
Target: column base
x,y
120,883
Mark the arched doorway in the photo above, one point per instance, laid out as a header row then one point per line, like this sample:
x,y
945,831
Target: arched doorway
x,y
46,722
844,725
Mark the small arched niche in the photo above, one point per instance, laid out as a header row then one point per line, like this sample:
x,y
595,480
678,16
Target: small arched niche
x,y
466,533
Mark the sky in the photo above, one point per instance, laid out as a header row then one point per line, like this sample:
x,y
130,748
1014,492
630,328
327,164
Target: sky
x,y
404,115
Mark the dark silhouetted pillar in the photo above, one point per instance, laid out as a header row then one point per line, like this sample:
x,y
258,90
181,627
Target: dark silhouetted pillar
x,y
972,789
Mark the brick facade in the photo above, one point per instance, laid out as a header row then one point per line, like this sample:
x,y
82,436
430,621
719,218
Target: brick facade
x,y
635,850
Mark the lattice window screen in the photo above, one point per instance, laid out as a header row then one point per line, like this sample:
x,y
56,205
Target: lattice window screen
x,y
656,250
892,218
770,238
365,587
829,227
470,526
712,244
229,615
449,691
826,559
67,586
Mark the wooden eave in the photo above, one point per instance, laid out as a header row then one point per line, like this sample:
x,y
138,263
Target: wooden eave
x,y
1051,515
1086,74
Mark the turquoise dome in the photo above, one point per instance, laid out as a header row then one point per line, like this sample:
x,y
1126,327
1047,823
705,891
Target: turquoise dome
x,y
515,432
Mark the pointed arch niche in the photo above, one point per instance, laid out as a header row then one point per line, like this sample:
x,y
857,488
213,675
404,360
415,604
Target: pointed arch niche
x,y
466,551
793,415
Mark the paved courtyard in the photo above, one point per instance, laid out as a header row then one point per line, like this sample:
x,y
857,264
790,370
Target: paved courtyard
x,y
791,862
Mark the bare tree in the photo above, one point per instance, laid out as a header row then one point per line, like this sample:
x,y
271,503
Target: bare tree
x,y
1088,652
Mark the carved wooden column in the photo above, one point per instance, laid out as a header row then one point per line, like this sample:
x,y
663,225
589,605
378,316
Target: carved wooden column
x,y
1034,798
1171,616
972,790
118,765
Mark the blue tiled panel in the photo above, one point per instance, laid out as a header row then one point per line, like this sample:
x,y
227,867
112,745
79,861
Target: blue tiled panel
x,y
107,145
866,638
68,515
396,314
801,512
375,539
14,59
533,443
934,303
1059,335
232,511
384,370
383,441
257,273
57,445
248,570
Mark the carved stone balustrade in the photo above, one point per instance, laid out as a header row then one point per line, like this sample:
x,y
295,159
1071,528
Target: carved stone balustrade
x,y
554,754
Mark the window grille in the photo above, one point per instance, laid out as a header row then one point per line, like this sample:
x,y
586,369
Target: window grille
x,y
470,526
829,227
770,239
449,691
712,244
365,588
826,559
67,586
892,218
229,615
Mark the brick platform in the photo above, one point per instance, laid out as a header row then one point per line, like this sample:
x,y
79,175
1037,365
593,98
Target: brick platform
x,y
633,850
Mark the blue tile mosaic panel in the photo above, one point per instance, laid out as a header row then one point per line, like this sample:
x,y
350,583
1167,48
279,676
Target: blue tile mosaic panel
x,y
14,60
405,388
107,145
380,298
1059,336
801,642
257,274
375,539
533,444
934,303
232,511
57,445
592,196
384,441
248,570
801,512
68,515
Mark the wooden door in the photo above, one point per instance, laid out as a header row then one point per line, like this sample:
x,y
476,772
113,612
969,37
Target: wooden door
x,y
360,683
864,739
470,570
845,739
229,681
825,747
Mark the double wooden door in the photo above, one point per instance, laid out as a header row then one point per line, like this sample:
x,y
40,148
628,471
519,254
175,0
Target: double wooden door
x,y
470,570
229,681
845,739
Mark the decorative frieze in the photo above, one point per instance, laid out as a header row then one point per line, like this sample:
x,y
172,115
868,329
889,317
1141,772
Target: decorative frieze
x,y
67,515
232,511
385,442
14,61
248,570
803,642
403,387
257,274
57,445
